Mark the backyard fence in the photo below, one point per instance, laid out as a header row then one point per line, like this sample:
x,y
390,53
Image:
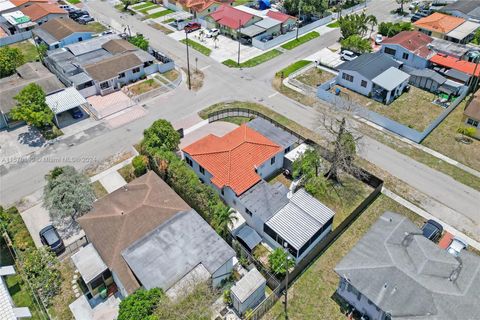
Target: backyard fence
x,y
360,174
17,37
73,248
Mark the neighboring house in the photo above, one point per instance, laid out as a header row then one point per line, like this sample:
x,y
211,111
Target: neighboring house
x,y
236,166
7,6
442,26
20,4
199,8
456,50
43,12
374,75
471,115
248,292
58,33
149,237
449,62
230,20
32,72
8,310
394,272
466,9
288,22
17,22
102,65
426,79
410,47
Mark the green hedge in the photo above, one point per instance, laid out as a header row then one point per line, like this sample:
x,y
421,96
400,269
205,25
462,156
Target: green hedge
x,y
16,229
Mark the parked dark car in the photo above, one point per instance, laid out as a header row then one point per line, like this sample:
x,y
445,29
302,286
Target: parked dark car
x,y
77,14
418,16
50,237
432,230
192,26
267,38
76,113
85,19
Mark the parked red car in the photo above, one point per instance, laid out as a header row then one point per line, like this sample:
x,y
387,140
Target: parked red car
x,y
192,26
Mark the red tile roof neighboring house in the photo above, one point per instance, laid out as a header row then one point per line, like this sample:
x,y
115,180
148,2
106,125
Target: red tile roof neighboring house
x,y
414,41
230,17
439,22
454,63
18,3
279,16
40,10
232,159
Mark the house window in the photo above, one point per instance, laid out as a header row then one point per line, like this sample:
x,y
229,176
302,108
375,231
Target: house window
x,y
472,122
347,77
121,75
248,212
80,39
136,70
104,85
222,192
272,161
364,83
201,169
390,51
405,56
287,150
359,295
147,64
189,161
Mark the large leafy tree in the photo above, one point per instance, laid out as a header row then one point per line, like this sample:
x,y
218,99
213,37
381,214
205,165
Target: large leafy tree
x,y
223,217
390,29
356,24
31,106
160,136
67,194
10,59
305,7
309,168
41,268
356,44
127,3
139,41
279,262
140,305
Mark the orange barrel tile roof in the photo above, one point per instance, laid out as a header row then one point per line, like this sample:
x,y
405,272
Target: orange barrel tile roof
x,y
40,10
439,22
456,64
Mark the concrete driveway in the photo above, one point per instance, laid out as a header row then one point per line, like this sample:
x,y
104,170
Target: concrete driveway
x,y
19,142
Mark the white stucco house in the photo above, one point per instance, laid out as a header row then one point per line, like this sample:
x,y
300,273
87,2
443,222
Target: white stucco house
x,y
412,48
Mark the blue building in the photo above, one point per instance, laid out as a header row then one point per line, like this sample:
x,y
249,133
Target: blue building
x,y
58,33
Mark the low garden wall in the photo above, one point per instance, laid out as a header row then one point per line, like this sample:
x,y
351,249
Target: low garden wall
x,y
15,38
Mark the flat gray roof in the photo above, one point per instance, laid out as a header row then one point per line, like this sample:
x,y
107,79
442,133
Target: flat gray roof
x,y
464,30
89,263
272,132
252,30
246,286
164,256
249,236
267,23
391,78
409,276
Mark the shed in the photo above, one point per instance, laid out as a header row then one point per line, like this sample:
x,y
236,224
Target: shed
x,y
249,291
426,79
294,155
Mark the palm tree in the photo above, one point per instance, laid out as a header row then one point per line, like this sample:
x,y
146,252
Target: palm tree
x,y
372,21
223,218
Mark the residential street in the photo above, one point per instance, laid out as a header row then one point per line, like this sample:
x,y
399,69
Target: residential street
x,y
451,201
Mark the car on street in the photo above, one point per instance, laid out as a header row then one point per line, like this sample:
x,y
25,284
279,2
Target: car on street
x,y
85,19
76,113
432,230
457,245
212,33
378,38
348,55
50,237
192,26
417,16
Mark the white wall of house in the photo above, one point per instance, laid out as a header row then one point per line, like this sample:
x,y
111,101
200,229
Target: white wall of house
x,y
356,83
405,56
359,301
119,284
222,273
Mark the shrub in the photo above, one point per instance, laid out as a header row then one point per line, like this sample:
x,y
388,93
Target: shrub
x,y
12,222
140,305
467,131
140,164
227,299
278,261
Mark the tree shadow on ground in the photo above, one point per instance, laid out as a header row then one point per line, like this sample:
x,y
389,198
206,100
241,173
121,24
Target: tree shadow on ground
x,y
32,138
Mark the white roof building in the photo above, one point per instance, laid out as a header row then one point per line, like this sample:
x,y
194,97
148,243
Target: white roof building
x,y
8,311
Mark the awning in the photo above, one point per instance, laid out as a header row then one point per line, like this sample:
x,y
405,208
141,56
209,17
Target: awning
x,y
249,236
89,263
65,100
252,31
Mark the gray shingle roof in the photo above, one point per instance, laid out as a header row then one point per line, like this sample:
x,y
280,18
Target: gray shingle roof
x,y
409,276
428,73
370,65
468,7
168,253
272,132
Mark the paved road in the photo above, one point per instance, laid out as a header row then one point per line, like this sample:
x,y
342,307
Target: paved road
x,y
449,200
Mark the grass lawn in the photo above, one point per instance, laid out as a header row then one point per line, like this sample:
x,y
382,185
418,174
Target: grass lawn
x,y
442,139
28,50
310,297
159,14
237,120
144,86
73,1
60,303
314,76
413,109
197,46
241,2
254,61
158,26
334,24
171,75
301,40
127,172
285,72
98,189
96,27
145,9
142,5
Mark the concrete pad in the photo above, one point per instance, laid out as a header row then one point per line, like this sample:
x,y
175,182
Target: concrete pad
x,y
19,142
107,310
326,57
218,128
112,181
104,106
155,10
125,116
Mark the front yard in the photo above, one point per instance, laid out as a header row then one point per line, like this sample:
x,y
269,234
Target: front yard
x,y
413,109
311,296
254,61
301,40
96,27
314,76
143,87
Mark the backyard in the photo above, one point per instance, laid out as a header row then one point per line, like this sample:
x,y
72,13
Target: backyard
x,y
28,50
413,109
311,295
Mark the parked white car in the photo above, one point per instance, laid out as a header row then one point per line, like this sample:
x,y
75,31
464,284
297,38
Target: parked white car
x,y
348,55
212,33
456,246
378,38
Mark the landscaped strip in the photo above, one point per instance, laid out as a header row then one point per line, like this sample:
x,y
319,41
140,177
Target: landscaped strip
x,y
73,1
285,72
142,5
254,61
159,14
301,40
145,10
335,24
197,46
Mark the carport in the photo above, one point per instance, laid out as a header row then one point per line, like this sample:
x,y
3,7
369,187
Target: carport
x,y
252,31
65,100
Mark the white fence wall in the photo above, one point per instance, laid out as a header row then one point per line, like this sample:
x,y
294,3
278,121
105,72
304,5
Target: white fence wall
x,y
17,37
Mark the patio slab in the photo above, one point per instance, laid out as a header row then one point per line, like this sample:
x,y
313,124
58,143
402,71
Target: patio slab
x,y
112,181
107,310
